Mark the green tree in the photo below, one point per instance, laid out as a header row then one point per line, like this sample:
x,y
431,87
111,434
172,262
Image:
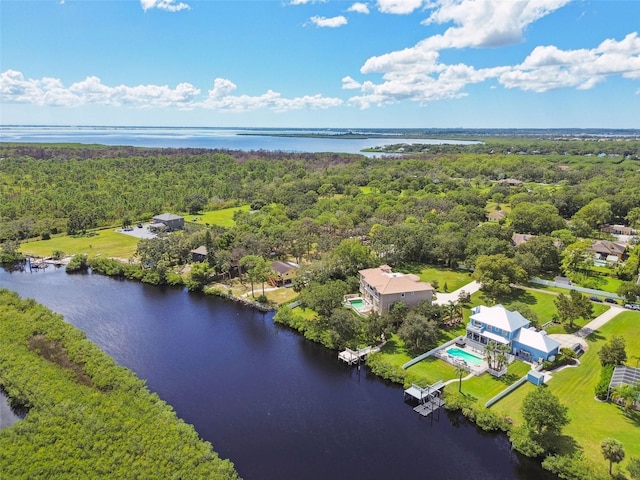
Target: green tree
x,y
344,327
627,395
350,256
634,468
195,202
324,298
198,276
613,451
575,257
460,372
630,291
594,213
573,306
613,352
497,273
418,332
256,269
535,218
544,249
542,412
633,217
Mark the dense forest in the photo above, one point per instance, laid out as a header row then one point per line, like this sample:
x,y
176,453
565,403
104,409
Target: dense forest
x,y
87,417
335,214
419,207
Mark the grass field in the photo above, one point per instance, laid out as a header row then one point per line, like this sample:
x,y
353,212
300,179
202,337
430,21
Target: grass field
x,y
222,218
591,420
454,279
105,242
542,304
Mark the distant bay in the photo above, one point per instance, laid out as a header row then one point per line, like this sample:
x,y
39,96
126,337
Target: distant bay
x,y
287,140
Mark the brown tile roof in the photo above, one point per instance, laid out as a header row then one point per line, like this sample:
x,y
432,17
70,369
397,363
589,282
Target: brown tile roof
x,y
387,282
608,247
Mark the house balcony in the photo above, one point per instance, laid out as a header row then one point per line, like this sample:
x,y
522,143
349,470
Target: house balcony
x,y
474,329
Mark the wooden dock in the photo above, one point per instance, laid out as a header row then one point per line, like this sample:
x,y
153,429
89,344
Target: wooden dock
x,y
351,357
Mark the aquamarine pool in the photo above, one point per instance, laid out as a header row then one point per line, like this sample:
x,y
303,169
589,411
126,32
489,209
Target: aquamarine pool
x,y
470,358
358,304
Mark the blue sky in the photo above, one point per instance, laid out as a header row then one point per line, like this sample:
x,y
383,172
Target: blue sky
x,y
306,63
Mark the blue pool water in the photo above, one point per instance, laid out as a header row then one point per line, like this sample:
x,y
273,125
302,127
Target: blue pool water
x,y
466,356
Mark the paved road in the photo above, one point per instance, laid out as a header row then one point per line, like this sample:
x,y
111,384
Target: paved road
x,y
445,298
570,339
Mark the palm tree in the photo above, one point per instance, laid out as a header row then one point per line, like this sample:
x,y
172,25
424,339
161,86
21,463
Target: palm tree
x,y
460,371
627,394
490,353
502,354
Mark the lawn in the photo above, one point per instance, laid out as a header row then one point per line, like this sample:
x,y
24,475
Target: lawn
x,y
105,242
483,388
541,303
281,295
454,279
222,218
591,420
423,373
598,280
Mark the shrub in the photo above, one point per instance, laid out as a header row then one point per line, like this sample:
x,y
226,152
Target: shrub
x,y
490,421
77,264
384,369
262,299
602,387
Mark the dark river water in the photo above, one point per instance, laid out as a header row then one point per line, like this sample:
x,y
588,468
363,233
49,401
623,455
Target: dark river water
x,y
278,406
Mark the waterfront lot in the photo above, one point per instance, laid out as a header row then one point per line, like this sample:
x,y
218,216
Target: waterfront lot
x,y
591,420
109,243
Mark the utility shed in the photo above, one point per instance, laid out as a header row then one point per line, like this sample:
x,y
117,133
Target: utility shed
x,y
537,378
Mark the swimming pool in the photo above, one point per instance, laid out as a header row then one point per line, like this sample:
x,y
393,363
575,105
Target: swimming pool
x,y
470,358
358,304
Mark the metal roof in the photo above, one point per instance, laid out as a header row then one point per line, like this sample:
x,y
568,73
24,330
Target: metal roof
x,y
623,375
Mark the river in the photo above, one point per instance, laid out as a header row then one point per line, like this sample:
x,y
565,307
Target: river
x,y
278,406
218,138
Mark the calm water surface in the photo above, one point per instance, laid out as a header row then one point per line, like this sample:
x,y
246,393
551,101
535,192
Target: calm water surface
x,y
219,138
277,405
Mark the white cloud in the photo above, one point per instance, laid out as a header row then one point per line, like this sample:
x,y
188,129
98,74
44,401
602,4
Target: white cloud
x,y
221,88
547,67
325,22
304,2
399,7
417,73
359,7
15,88
349,83
168,5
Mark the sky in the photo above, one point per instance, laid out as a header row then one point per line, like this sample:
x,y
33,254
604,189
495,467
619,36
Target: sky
x,y
321,63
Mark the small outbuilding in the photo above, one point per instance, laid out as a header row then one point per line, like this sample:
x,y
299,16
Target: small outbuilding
x,y
199,254
535,377
285,273
170,220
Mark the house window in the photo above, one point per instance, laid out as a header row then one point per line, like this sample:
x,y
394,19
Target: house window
x,y
402,295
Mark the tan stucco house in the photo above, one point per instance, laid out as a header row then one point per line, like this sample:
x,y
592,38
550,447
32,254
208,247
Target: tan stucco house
x,y
380,288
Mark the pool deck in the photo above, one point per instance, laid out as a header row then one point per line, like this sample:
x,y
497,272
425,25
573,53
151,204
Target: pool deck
x,y
442,354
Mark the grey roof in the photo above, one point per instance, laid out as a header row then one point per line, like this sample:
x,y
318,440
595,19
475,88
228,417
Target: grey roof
x,y
282,267
165,217
623,375
201,250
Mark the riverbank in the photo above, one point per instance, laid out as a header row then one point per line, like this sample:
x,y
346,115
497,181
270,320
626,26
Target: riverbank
x,y
76,395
